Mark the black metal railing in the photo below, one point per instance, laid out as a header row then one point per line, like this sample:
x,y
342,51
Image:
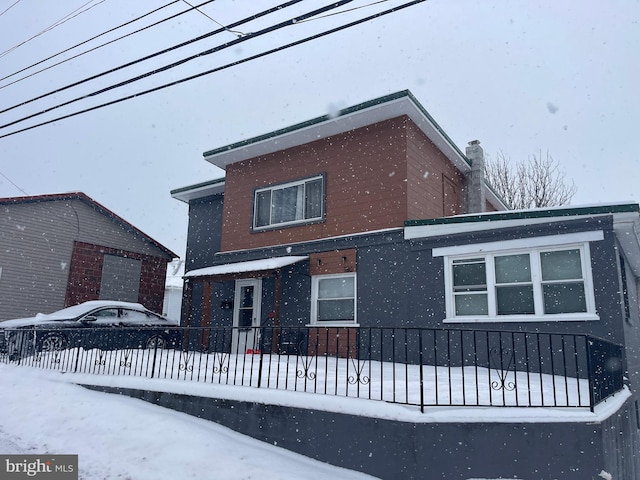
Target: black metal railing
x,y
422,367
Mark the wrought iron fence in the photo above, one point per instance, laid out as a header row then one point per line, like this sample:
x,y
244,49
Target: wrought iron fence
x,y
422,367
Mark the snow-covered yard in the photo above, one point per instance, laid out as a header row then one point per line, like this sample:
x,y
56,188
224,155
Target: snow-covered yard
x,y
389,382
117,437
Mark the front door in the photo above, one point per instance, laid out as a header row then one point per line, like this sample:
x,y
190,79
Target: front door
x,y
246,315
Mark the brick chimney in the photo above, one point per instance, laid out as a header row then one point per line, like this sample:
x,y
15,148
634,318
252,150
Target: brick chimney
x,y
475,178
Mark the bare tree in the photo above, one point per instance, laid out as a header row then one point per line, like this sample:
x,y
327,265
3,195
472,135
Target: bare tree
x,y
538,182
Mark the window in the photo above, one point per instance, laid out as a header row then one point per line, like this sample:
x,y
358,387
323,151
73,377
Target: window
x,y
333,299
533,284
289,203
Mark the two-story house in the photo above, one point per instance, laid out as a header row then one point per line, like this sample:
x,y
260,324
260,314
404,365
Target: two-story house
x,y
296,226
374,218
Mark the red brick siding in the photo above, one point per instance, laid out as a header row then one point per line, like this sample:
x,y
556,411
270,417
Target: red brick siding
x,y
337,261
85,274
365,186
427,171
334,341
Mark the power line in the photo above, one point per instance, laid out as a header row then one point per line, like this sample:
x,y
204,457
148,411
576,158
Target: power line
x,y
64,19
10,7
166,50
8,179
229,65
237,34
91,39
218,48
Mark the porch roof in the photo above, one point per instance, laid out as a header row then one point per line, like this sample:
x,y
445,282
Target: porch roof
x,y
249,266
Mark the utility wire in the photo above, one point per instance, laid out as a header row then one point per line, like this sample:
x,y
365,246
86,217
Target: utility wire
x,y
9,8
166,50
232,64
237,34
7,178
91,39
64,19
343,11
218,48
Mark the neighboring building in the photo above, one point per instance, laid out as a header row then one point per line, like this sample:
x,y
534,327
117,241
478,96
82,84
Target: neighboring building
x,y
374,218
172,303
63,249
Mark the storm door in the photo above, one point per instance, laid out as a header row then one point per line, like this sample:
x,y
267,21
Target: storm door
x,y
246,315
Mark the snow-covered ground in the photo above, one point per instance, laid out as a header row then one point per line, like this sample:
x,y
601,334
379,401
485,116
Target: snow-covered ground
x,y
118,437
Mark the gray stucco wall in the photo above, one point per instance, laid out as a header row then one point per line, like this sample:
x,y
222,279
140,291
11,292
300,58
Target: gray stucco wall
x,y
401,450
204,232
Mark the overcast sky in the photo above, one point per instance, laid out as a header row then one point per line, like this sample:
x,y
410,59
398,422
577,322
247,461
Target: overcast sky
x,y
522,77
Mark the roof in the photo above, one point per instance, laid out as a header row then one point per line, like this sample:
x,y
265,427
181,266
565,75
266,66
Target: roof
x,y
199,190
244,267
58,197
367,113
626,224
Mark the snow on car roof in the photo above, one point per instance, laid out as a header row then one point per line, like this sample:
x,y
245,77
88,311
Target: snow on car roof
x,y
70,313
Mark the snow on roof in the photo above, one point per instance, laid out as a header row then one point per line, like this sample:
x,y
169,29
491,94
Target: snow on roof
x,y
250,266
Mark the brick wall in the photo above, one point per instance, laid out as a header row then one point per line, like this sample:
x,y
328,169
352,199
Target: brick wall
x,y
365,186
85,273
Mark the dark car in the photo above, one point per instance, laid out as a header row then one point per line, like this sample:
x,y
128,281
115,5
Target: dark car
x,y
107,325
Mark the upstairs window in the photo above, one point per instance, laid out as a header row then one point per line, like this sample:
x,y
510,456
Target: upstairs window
x,y
289,203
495,283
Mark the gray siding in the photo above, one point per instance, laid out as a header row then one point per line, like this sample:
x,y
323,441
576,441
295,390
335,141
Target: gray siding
x,y
36,242
205,230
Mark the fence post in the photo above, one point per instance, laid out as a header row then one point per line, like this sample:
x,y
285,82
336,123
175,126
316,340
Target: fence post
x,y
421,372
155,352
592,393
260,349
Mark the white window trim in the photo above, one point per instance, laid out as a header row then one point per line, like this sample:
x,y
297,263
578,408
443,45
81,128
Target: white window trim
x,y
520,244
279,186
315,279
464,253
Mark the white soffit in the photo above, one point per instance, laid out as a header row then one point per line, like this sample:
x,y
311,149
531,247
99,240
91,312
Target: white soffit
x,y
245,267
341,124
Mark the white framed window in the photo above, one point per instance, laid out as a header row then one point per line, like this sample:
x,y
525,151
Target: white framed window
x,y
333,299
289,203
495,283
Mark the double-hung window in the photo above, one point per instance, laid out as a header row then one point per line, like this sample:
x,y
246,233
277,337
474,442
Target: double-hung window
x,y
289,203
333,299
492,282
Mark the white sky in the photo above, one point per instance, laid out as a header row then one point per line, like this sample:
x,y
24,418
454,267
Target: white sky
x,y
522,77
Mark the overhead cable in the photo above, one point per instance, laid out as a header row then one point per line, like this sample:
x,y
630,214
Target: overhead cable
x,y
161,52
218,48
64,19
237,34
91,39
10,7
218,69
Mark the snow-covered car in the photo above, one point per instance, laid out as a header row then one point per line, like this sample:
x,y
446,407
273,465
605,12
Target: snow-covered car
x,y
107,325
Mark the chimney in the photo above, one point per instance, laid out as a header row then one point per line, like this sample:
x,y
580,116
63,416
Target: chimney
x,y
475,178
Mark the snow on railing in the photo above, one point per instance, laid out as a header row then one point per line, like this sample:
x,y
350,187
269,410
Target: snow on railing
x,y
421,367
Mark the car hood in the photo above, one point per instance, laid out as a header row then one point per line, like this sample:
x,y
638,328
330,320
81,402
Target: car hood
x,y
39,319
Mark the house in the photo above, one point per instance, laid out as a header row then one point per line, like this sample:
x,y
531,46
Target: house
x,y
63,249
375,219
